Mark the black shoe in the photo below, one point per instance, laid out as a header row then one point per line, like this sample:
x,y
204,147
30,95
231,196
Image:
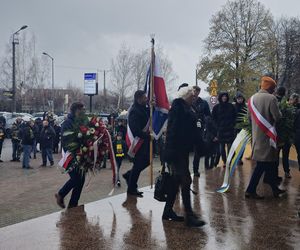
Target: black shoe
x,y
13,160
193,221
118,183
1,161
43,165
51,163
197,174
140,192
278,193
34,157
60,201
254,196
135,193
171,215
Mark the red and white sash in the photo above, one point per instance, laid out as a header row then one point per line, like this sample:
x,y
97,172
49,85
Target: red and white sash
x,y
263,124
134,143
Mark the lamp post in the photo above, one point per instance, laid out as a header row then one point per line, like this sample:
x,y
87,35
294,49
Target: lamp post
x,y
52,60
14,66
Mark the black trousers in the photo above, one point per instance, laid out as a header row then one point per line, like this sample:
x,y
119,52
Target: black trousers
x,y
75,183
119,163
223,151
140,162
267,168
297,145
285,157
196,161
1,145
180,178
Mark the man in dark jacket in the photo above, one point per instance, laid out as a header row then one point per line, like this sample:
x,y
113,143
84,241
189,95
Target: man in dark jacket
x,y
294,100
15,139
224,116
27,138
202,111
180,140
138,119
77,179
36,133
2,137
47,139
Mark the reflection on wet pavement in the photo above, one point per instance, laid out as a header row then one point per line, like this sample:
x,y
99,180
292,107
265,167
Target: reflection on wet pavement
x,y
122,222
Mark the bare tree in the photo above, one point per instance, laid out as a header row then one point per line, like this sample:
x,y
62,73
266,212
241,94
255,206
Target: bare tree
x,y
140,66
122,73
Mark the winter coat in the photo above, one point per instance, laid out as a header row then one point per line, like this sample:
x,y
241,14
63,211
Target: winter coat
x,y
47,137
201,108
15,132
267,106
57,130
181,129
137,119
26,135
297,126
36,132
224,116
67,125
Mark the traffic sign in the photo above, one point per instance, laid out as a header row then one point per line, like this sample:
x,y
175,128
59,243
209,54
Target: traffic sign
x,y
90,84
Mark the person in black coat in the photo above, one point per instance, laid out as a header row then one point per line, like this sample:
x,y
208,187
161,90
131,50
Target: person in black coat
x,y
294,100
202,111
47,138
240,110
27,139
36,132
77,179
2,137
180,140
138,118
57,130
224,116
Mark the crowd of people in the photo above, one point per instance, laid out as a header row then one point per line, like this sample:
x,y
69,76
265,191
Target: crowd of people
x,y
210,134
27,136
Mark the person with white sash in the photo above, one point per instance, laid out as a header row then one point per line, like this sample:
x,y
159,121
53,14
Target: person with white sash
x,y
264,110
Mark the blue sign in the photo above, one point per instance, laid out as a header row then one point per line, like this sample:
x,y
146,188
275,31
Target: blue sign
x,y
90,84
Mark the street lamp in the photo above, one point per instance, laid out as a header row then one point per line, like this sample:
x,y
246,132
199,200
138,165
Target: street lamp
x,y
52,59
52,96
14,66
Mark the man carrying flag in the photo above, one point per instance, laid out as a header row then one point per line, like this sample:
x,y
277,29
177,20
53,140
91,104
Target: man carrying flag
x,y
138,141
265,113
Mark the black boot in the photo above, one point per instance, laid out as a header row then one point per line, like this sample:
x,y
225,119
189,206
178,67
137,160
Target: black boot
x,y
169,214
278,192
192,220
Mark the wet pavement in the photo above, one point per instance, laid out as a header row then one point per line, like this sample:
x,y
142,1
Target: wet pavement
x,y
122,222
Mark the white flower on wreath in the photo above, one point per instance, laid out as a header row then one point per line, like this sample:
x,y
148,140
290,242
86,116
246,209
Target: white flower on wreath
x,y
92,131
79,135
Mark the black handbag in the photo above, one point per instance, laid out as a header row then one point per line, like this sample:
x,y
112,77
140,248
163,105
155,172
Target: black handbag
x,y
162,185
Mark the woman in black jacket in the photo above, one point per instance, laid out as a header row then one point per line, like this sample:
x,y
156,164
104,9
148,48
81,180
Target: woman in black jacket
x,y
224,116
180,140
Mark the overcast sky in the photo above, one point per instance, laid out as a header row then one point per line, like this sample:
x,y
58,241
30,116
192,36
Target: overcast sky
x,y
88,33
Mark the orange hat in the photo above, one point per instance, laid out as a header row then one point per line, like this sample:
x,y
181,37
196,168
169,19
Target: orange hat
x,y
267,82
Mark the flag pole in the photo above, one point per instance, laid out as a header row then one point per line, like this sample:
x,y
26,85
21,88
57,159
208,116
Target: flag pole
x,y
151,110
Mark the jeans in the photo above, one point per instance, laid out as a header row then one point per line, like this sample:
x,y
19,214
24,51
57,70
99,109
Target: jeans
x,y
47,153
34,149
285,157
26,155
269,168
140,162
76,183
182,179
16,150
